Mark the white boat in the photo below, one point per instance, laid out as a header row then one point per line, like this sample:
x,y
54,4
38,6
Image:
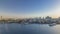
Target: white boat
x,y
52,24
24,23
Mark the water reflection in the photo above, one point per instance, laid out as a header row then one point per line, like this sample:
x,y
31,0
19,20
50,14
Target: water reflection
x,y
28,29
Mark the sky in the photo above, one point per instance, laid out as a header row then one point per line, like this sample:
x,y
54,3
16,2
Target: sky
x,y
29,8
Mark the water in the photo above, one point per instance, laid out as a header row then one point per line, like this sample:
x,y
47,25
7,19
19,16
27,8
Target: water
x,y
29,29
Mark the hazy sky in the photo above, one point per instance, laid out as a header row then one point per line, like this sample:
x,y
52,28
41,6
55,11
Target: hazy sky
x,y
29,8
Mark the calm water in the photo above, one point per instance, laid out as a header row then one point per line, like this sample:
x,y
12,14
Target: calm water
x,y
29,29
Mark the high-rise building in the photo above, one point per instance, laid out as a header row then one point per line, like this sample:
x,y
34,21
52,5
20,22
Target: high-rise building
x,y
1,17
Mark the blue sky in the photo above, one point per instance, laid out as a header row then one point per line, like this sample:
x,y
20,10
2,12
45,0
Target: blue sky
x,y
29,8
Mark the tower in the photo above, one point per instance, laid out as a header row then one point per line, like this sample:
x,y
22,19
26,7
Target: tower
x,y
1,17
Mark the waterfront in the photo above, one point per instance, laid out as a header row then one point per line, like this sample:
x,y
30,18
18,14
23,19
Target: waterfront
x,y
29,29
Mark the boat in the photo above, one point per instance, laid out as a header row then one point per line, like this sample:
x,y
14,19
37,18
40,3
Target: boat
x,y
25,23
52,24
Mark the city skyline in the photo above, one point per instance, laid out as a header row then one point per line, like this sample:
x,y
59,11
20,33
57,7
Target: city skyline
x,y
30,8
